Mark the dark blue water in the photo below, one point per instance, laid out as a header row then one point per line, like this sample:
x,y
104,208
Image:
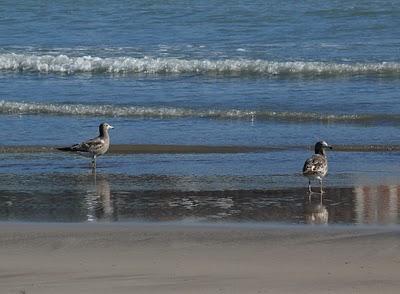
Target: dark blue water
x,y
201,73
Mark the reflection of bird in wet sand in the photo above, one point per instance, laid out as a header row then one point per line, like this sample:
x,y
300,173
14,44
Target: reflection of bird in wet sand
x,y
316,167
316,213
99,202
104,193
93,147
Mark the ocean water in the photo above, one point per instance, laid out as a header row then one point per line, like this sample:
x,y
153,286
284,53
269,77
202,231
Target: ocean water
x,y
209,73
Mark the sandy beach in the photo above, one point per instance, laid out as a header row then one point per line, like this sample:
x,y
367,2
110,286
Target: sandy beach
x,y
216,108
168,258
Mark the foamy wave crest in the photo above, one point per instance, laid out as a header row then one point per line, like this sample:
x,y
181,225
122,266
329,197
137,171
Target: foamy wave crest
x,y
127,65
9,107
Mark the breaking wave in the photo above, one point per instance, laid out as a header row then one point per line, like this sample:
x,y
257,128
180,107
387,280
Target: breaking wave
x,y
9,107
63,64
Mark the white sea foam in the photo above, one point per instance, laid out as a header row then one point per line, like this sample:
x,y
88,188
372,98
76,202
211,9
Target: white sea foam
x,y
128,65
11,107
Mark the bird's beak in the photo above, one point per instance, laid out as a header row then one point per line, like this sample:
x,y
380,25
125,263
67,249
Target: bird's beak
x,y
330,147
110,127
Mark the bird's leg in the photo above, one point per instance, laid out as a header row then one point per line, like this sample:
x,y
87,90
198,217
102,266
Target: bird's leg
x,y
94,162
320,182
94,173
309,191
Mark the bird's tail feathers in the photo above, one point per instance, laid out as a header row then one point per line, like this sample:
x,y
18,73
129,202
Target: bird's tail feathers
x,y
76,147
64,148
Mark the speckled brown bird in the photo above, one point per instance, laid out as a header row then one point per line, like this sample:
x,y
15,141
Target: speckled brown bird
x,y
316,167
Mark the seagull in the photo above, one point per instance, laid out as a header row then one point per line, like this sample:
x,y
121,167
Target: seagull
x,y
316,167
93,147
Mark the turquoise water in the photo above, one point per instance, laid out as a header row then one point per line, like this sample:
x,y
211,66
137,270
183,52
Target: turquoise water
x,y
208,73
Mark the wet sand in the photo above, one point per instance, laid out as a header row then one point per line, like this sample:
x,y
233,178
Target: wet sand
x,y
150,258
83,197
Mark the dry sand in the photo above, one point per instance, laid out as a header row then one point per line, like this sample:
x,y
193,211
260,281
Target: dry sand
x,y
140,258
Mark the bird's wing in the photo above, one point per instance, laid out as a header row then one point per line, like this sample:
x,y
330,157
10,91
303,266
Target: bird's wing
x,y
315,164
90,146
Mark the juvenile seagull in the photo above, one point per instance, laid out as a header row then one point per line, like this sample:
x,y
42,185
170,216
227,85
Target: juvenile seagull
x,y
93,147
316,167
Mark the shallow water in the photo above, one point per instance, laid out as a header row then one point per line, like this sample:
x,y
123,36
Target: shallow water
x,y
186,73
182,199
204,187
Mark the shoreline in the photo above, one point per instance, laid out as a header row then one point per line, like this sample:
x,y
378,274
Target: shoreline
x,y
198,149
185,226
149,258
